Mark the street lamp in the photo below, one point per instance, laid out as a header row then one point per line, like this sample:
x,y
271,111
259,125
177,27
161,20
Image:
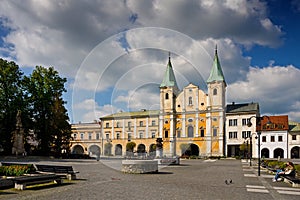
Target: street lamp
x,y
258,131
249,148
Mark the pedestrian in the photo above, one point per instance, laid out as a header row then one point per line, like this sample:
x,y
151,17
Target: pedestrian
x,y
289,170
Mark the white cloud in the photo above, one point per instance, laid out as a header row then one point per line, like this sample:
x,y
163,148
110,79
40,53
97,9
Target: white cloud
x,y
61,33
274,87
89,110
239,20
79,39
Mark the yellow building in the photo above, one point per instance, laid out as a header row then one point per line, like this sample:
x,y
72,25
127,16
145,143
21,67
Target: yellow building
x,y
189,122
87,139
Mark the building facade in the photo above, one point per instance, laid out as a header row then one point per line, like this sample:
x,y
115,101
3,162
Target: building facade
x,y
240,138
294,140
189,122
87,139
274,137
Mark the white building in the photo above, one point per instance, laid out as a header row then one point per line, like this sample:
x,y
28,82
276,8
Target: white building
x,y
238,135
274,137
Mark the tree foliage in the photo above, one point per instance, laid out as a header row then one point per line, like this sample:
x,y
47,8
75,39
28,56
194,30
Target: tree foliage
x,y
130,146
45,89
11,100
39,97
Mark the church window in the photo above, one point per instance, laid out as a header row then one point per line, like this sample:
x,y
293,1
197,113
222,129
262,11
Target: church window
x,y
215,132
215,91
178,134
190,100
190,131
167,96
190,120
202,133
166,134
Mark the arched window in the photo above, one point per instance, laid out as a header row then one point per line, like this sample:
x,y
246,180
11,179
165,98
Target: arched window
x,y
167,96
215,91
190,100
190,131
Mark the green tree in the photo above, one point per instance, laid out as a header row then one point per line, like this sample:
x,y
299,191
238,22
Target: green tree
x,y
130,146
12,99
60,128
45,88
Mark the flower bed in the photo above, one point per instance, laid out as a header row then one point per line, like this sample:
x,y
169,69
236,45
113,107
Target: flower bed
x,y
16,170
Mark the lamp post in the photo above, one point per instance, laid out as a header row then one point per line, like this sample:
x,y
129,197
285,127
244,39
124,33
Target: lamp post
x,y
249,150
258,131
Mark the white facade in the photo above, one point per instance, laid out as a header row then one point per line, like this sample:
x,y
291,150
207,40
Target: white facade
x,y
275,144
238,133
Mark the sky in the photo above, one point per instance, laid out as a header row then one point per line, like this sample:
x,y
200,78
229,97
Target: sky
x,y
114,52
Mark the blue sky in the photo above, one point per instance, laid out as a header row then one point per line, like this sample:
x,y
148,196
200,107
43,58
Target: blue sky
x,y
114,53
287,15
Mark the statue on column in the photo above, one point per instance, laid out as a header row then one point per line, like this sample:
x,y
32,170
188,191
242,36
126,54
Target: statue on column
x,y
18,137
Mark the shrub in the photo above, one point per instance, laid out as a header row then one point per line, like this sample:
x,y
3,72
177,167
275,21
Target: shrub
x,y
16,170
194,157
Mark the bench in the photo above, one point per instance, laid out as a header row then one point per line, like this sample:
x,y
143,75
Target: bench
x,y
294,181
12,163
6,183
67,171
23,181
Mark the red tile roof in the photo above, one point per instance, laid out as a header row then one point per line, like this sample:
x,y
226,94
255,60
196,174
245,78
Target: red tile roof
x,y
274,123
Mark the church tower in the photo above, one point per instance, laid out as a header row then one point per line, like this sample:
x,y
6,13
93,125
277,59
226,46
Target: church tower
x,y
167,117
216,85
168,90
216,108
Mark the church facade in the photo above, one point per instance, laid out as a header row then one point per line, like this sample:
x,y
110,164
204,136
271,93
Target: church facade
x,y
189,122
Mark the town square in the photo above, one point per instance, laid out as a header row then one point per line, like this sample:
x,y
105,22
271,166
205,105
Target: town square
x,y
168,99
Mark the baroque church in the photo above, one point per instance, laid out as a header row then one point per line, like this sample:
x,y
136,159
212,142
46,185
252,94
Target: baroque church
x,y
189,122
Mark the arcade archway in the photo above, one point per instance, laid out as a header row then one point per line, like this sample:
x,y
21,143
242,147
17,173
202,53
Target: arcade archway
x,y
265,153
77,149
278,153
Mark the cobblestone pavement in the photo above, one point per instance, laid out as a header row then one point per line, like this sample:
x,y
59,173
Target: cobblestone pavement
x,y
192,179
